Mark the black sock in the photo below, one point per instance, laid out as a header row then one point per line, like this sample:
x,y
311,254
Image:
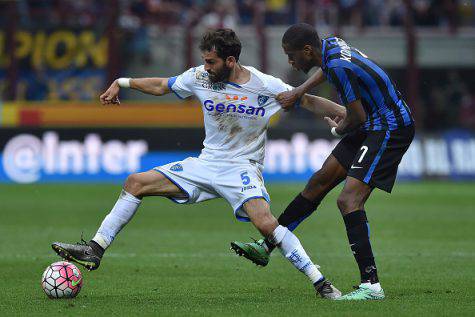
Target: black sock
x,y
358,235
96,247
296,212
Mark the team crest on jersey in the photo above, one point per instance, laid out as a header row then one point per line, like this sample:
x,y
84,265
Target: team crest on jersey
x,y
176,168
261,100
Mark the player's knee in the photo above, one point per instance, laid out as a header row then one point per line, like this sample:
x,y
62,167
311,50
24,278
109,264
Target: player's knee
x,y
348,202
133,185
344,202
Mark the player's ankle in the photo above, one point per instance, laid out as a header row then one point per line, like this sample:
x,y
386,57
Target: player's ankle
x,y
376,287
97,248
268,246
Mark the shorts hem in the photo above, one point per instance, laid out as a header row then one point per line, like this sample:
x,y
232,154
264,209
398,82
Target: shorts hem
x,y
156,169
372,184
246,219
339,161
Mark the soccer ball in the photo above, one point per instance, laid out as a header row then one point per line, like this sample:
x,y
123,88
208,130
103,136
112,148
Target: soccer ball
x,y
61,280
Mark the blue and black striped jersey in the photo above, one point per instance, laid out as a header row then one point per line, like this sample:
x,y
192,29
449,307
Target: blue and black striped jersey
x,y
355,76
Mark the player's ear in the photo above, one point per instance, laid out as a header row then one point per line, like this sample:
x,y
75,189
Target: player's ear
x,y
230,61
307,50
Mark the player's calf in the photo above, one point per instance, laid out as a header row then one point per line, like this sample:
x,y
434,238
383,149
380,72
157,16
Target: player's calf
x,y
354,195
259,251
289,245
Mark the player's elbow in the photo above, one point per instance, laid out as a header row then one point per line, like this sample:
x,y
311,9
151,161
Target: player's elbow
x,y
340,111
158,91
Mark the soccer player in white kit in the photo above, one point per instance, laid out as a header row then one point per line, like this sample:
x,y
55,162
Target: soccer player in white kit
x,y
237,103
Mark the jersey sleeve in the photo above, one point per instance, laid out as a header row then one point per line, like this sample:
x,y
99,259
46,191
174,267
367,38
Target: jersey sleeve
x,y
182,85
345,82
277,85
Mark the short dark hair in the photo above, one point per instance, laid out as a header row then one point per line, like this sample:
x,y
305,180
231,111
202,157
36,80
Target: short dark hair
x,y
224,41
299,35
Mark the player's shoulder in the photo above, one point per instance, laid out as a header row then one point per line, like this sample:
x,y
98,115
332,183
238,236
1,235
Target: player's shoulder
x,y
337,53
194,75
265,81
339,63
195,71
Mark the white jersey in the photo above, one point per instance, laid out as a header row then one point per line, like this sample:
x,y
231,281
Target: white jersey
x,y
236,117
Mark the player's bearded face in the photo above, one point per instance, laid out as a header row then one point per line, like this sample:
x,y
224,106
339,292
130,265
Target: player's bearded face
x,y
216,67
220,74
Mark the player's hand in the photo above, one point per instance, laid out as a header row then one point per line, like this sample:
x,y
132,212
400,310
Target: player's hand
x,y
333,122
288,99
111,96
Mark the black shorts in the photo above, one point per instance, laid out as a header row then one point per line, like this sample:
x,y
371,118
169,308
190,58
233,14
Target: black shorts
x,y
373,156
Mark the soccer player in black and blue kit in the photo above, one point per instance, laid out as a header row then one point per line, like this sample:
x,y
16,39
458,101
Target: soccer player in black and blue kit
x,y
376,132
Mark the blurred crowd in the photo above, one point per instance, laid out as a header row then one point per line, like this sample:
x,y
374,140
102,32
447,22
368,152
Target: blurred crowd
x,y
229,13
447,97
447,100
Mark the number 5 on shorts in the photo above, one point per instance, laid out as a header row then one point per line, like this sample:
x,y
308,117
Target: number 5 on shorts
x,y
245,179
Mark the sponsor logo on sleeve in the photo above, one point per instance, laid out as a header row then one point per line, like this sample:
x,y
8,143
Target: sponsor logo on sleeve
x,y
177,168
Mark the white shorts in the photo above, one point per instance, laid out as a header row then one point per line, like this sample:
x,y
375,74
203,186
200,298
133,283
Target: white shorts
x,y
203,180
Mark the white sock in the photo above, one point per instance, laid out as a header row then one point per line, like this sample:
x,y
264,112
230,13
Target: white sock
x,y
374,287
123,210
290,247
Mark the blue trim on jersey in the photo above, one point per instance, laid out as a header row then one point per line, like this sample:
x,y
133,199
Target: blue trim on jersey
x,y
232,84
177,185
377,158
171,81
246,219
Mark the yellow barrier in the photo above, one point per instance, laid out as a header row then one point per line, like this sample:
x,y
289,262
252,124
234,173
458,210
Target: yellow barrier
x,y
78,114
187,114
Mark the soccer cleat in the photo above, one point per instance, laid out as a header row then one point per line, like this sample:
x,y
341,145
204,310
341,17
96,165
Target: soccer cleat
x,y
326,290
253,251
363,292
82,253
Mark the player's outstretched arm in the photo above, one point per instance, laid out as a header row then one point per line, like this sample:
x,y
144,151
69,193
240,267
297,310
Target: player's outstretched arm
x,y
355,117
322,106
154,86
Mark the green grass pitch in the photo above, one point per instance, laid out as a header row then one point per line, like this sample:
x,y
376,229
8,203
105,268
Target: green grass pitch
x,y
175,260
